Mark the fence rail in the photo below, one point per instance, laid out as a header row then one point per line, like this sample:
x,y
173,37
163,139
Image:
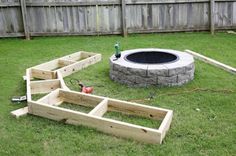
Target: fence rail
x,y
95,17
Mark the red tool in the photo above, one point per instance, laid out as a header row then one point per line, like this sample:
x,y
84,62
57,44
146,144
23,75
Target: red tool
x,y
86,89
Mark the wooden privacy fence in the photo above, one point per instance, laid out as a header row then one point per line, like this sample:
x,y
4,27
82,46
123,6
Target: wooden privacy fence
x,y
95,17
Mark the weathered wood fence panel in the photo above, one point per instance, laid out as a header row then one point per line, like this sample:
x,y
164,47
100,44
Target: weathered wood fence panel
x,y
95,17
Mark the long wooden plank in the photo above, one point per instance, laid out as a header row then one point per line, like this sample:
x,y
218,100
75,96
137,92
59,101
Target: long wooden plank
x,y
62,82
115,105
72,57
212,62
80,98
24,111
28,89
50,65
165,125
64,62
110,126
42,74
136,109
44,86
20,112
68,70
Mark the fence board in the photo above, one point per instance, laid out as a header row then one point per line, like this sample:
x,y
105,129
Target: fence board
x,y
81,17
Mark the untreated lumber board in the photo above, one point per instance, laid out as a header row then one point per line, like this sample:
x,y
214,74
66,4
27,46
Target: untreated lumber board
x,y
110,126
73,57
212,61
62,82
28,89
70,69
100,109
42,74
49,66
165,125
44,86
64,62
20,112
136,109
51,98
80,98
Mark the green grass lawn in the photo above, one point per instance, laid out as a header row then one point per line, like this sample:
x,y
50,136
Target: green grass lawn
x,y
210,131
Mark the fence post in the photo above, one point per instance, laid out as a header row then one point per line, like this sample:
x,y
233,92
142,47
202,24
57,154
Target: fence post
x,y
212,16
24,17
123,18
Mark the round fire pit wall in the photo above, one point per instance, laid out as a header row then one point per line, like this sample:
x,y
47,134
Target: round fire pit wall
x,y
145,67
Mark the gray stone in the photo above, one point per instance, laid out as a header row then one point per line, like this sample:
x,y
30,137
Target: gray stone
x,y
140,72
140,80
190,67
176,71
142,75
162,80
151,80
159,72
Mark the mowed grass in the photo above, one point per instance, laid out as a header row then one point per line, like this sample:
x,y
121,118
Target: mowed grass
x,y
204,121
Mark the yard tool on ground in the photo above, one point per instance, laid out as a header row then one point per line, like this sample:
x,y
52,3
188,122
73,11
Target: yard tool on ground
x,y
18,99
84,89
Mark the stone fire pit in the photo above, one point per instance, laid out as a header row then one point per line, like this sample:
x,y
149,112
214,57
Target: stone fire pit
x,y
145,67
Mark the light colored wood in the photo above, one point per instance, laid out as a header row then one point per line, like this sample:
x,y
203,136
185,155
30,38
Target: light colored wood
x,y
85,54
42,74
44,86
73,57
24,111
165,125
110,126
68,70
109,104
20,112
231,32
49,66
52,98
64,62
62,82
100,109
79,98
28,88
212,62
136,109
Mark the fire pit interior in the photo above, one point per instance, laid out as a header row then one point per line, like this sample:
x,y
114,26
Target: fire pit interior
x,y
158,67
152,57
